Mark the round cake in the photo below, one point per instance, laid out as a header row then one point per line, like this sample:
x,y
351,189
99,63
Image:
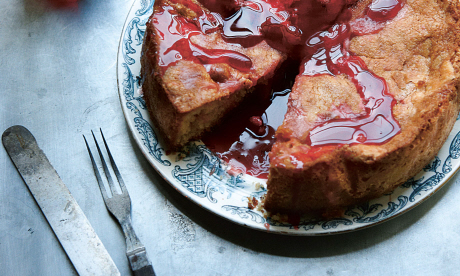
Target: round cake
x,y
373,99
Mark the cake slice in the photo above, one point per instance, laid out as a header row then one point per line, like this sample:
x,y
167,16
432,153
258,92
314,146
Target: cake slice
x,y
417,55
191,76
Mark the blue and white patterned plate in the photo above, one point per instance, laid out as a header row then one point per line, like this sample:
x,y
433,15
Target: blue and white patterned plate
x,y
201,177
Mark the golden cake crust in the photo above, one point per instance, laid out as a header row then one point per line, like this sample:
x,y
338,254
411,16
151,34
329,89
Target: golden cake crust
x,y
417,54
189,99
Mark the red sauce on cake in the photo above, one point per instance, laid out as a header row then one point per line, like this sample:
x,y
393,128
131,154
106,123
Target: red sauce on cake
x,y
384,10
245,138
176,31
255,21
317,30
331,57
375,16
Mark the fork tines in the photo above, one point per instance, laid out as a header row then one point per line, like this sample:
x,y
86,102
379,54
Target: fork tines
x,y
119,205
106,169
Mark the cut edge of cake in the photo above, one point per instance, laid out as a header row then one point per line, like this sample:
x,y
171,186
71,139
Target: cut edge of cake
x,y
421,66
189,98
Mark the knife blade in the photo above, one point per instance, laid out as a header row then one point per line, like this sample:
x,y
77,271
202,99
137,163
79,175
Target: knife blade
x,y
70,225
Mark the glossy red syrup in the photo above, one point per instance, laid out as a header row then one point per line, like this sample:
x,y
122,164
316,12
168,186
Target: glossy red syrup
x,y
376,15
331,57
267,226
175,31
316,30
245,138
223,8
384,10
257,20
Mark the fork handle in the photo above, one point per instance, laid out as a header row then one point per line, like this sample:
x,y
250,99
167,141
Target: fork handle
x,y
140,263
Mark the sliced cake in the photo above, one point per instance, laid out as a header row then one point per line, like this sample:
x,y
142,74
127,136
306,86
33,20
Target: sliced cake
x,y
191,76
375,97
330,152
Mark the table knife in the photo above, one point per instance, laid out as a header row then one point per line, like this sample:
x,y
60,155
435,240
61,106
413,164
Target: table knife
x,y
70,225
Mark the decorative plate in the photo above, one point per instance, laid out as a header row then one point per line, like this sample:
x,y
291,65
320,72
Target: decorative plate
x,y
201,177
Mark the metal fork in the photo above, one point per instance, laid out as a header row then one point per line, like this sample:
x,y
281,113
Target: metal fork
x,y
120,207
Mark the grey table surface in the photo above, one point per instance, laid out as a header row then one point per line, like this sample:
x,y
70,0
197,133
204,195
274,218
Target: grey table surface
x,y
58,79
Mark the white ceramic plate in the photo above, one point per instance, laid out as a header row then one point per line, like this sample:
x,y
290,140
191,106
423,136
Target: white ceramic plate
x,y
201,176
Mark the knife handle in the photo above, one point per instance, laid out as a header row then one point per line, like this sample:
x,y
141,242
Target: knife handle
x,y
145,271
140,263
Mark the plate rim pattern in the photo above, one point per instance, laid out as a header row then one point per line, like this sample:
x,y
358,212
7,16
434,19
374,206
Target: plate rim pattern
x,y
202,177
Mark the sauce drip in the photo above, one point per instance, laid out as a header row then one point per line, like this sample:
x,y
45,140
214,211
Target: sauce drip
x,y
384,10
176,31
331,57
375,16
245,138
257,20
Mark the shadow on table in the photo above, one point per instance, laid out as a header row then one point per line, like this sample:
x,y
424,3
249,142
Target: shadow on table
x,y
290,246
